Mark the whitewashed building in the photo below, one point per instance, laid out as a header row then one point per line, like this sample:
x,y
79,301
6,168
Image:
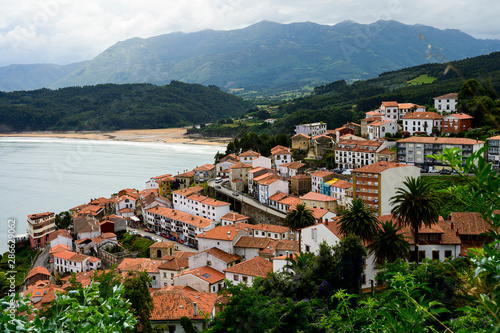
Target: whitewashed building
x,y
446,103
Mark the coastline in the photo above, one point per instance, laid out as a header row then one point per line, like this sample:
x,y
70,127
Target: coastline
x,y
166,135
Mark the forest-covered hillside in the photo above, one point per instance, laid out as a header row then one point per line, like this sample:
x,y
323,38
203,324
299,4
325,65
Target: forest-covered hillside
x,y
112,107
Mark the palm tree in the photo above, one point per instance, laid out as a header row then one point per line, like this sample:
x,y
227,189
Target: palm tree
x,y
298,218
388,244
358,219
297,263
415,205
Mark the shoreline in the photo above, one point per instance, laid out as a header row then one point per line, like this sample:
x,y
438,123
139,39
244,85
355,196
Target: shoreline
x,y
165,135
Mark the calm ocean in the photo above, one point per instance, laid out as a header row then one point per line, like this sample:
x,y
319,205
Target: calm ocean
x,y
48,174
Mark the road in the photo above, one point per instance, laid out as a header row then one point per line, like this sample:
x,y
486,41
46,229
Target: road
x,y
244,198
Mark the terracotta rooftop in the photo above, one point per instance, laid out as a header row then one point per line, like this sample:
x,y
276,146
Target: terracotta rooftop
x,y
300,176
408,105
83,278
38,270
459,116
139,265
269,228
422,115
278,196
300,135
342,184
188,174
59,248
234,217
448,96
205,273
380,166
391,103
280,150
288,245
449,141
162,245
173,263
222,255
321,174
205,167
188,191
43,290
317,197
60,232
171,303
226,232
249,153
293,165
40,215
319,212
257,266
469,223
176,215
290,201
240,165
207,200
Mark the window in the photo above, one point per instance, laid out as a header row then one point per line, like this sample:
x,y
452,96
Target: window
x,y
236,277
244,278
447,253
308,248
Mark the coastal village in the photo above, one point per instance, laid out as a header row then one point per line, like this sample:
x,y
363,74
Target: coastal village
x,y
225,221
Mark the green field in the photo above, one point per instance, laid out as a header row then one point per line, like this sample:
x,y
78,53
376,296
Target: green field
x,y
422,79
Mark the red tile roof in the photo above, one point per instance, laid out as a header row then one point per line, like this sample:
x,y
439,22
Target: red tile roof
x,y
318,197
222,255
205,273
249,153
226,232
139,265
342,184
450,141
422,115
278,196
188,191
174,302
459,116
38,270
391,103
60,232
162,245
176,215
234,217
300,135
173,263
322,174
378,167
269,228
257,266
448,96
205,167
39,215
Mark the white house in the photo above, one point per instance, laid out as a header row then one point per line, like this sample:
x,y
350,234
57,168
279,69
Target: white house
x,y
62,237
280,155
422,122
213,257
312,130
378,129
248,156
223,167
171,266
319,177
314,235
153,182
202,279
262,161
125,206
291,169
446,103
232,218
222,237
269,186
71,262
341,190
246,272
137,265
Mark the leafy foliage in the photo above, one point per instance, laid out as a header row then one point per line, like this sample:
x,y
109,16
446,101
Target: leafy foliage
x,y
359,220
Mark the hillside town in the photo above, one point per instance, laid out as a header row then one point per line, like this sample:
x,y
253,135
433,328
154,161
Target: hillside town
x,y
226,221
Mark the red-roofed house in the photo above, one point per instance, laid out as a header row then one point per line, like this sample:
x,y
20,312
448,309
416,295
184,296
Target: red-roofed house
x,y
422,122
137,265
174,302
185,179
456,122
232,218
280,155
376,183
246,272
215,258
378,129
202,279
318,200
170,267
61,236
301,142
204,173
300,184
71,262
253,174
319,177
42,293
268,185
222,237
249,247
125,205
239,171
292,169
248,156
37,273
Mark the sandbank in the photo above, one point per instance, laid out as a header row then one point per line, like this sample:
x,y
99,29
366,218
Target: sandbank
x,y
167,135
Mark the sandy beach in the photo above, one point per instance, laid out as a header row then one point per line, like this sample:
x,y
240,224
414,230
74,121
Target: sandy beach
x,y
167,135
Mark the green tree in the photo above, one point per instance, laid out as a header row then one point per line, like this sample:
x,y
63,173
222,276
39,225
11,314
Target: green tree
x,y
389,244
415,205
63,220
358,219
298,218
137,292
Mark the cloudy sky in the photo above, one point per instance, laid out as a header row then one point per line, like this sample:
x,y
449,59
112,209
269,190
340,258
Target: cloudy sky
x,y
66,31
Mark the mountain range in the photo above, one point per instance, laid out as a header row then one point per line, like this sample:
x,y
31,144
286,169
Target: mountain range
x,y
263,55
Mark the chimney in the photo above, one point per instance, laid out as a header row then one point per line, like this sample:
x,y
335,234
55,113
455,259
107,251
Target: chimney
x,y
286,252
195,309
204,233
182,270
326,223
198,272
452,226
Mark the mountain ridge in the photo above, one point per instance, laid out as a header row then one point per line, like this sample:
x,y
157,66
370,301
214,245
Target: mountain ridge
x,y
270,54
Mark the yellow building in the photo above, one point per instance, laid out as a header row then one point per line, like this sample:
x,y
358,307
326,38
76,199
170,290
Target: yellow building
x,y
165,186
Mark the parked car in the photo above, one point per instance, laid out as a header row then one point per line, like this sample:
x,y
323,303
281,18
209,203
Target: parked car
x,y
147,230
235,193
218,180
181,241
133,232
173,238
338,171
347,172
423,170
217,187
445,172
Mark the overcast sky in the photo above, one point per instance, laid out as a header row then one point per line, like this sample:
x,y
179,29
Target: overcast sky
x,y
66,31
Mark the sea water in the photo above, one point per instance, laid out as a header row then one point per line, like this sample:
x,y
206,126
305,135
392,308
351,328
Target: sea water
x,y
53,175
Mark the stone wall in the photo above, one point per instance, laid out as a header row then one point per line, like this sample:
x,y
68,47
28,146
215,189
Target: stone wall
x,y
260,216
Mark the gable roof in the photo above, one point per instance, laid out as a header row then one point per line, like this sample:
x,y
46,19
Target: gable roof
x,y
300,136
317,197
222,255
162,245
189,190
390,103
174,302
280,150
224,232
249,153
256,266
422,115
60,232
205,167
38,270
448,96
378,167
458,116
173,263
322,174
205,273
139,265
234,217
